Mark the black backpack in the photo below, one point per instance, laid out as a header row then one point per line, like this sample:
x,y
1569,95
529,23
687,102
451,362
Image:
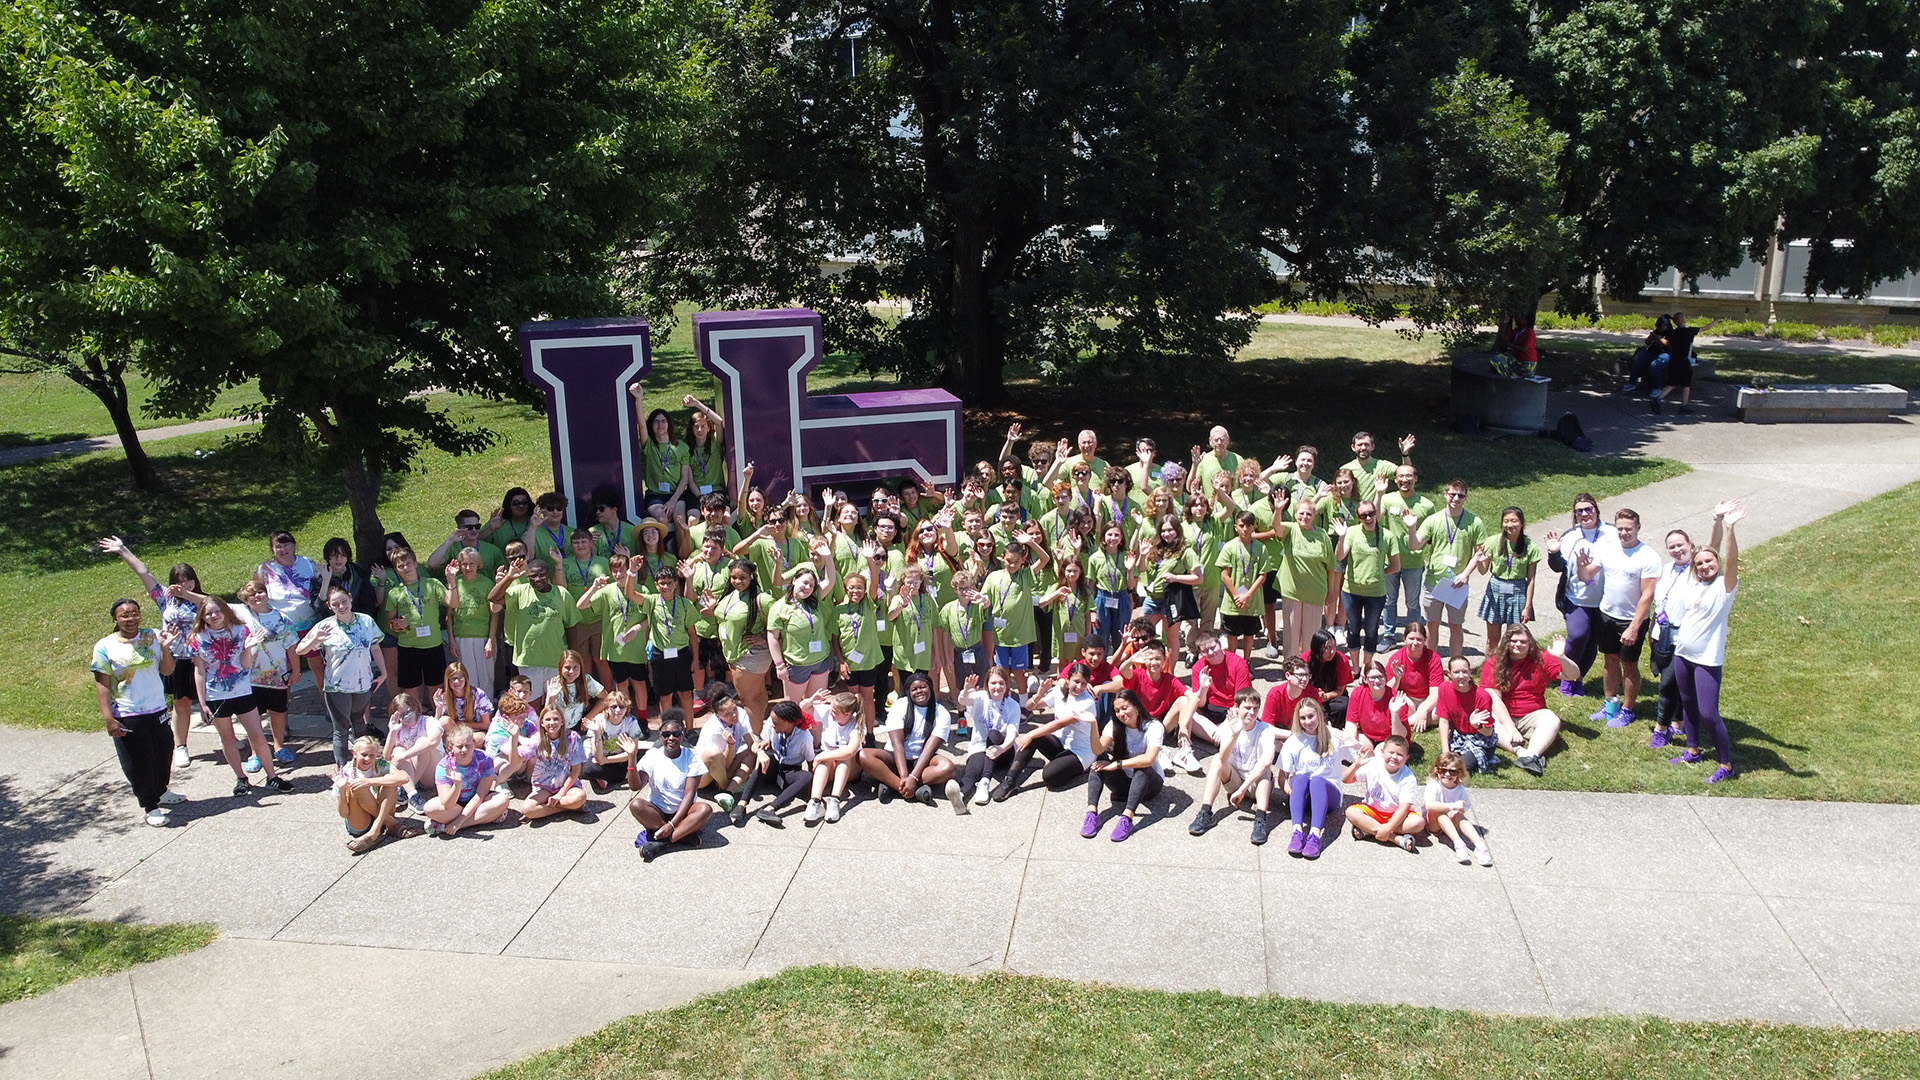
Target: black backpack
x,y
1569,431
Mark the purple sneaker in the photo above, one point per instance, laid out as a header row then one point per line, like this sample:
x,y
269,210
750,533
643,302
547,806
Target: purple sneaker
x,y
1569,688
1659,739
1311,850
1691,757
1606,712
1620,717
1299,842
1122,828
1090,828
1724,772
641,840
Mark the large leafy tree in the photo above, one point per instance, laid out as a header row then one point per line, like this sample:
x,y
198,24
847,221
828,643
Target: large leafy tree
x,y
1080,185
440,171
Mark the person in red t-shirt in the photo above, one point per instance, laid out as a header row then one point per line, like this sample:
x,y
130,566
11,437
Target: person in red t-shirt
x,y
1371,712
1414,670
1330,672
1145,673
1214,680
1516,677
1287,695
1464,713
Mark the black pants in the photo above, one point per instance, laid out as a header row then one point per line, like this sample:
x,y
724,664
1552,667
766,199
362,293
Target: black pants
x,y
146,756
1129,787
1660,658
1063,766
787,781
981,767
1042,657
613,775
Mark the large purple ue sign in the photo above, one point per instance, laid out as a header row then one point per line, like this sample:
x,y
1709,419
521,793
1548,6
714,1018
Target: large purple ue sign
x,y
761,359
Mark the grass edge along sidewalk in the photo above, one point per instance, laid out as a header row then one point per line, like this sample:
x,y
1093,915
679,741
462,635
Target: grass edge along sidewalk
x,y
846,1022
38,955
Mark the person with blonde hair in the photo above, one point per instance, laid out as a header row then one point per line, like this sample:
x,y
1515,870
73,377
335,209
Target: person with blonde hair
x,y
554,770
466,794
366,792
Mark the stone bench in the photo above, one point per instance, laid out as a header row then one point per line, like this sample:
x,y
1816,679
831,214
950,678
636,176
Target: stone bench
x,y
1512,406
1820,403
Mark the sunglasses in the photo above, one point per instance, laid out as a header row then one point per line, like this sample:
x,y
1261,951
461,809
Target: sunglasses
x,y
672,734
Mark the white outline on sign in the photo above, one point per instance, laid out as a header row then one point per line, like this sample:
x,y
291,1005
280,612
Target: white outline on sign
x,y
636,342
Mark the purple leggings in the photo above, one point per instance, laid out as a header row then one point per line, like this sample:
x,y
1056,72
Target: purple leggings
x,y
1581,644
1323,793
1700,705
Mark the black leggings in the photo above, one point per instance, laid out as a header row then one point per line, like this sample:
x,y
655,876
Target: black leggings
x,y
1128,786
1062,769
1042,657
788,781
613,774
146,756
981,767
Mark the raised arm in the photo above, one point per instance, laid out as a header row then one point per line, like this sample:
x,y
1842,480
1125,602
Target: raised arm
x,y
113,545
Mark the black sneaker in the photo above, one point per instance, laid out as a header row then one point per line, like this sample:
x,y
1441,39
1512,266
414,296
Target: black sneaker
x,y
924,793
692,841
279,783
1530,763
886,794
1202,821
1653,403
766,816
242,788
653,849
1261,829
1001,792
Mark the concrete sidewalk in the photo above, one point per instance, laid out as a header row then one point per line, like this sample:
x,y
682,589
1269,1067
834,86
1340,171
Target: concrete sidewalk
x,y
73,447
1687,907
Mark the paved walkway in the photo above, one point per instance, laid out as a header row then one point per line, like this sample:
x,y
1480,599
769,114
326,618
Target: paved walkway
x,y
1627,339
21,454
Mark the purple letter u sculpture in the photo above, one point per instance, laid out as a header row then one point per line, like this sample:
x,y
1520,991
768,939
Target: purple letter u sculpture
x,y
586,366
796,440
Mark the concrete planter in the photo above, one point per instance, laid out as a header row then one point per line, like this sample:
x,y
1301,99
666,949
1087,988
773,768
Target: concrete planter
x,y
1835,403
1511,406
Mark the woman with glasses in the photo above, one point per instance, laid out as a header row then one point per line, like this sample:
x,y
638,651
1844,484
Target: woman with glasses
x,y
513,521
1578,601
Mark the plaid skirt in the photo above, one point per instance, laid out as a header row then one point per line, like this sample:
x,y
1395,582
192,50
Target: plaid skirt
x,y
1505,601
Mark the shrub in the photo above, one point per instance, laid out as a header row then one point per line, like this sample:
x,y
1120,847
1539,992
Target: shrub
x,y
1843,332
1746,328
1795,331
1626,323
1895,335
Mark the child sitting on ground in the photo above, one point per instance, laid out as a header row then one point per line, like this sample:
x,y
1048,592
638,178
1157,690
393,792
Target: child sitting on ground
x,y
1387,811
413,747
365,788
1466,716
614,736
1450,810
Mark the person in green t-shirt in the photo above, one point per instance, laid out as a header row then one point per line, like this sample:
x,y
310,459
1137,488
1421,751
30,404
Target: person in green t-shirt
x,y
1216,458
673,652
1071,602
466,534
537,613
741,617
800,624
1372,554
1206,526
665,467
1242,564
415,611
1370,474
1010,593
914,615
1168,573
513,521
968,626
472,624
611,535
577,571
1301,556
609,599
856,623
1451,539
547,540
1402,510
1511,563
706,449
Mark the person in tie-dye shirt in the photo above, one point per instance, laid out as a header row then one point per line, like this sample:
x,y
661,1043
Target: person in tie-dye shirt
x,y
465,778
366,792
557,759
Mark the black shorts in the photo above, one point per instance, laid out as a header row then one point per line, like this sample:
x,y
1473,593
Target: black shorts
x,y
670,676
1241,625
417,666
1607,636
712,659
871,678
389,641
625,671
180,683
270,698
1212,712
233,706
1269,592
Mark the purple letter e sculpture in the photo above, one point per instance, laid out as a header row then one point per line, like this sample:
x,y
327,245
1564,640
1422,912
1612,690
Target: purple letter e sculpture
x,y
793,440
585,366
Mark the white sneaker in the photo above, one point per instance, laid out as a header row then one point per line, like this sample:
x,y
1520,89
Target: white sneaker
x,y
833,810
180,759
1461,855
816,809
158,818
1482,856
957,796
1191,762
982,793
172,798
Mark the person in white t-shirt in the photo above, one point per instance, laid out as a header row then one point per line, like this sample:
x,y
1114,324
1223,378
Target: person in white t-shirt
x,y
782,761
1126,764
1627,571
1310,767
909,762
993,715
1248,748
665,781
725,749
1064,738
836,759
1450,810
1700,647
1389,811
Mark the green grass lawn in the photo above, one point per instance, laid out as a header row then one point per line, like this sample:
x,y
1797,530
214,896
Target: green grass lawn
x,y
1813,696
1574,361
37,955
846,1023
1296,384
50,408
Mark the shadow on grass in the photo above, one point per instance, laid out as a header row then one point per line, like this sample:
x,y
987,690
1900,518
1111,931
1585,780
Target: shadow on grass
x,y
1752,751
10,440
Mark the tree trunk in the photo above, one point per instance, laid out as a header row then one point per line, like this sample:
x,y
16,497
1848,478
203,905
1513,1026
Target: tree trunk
x,y
363,499
111,389
977,369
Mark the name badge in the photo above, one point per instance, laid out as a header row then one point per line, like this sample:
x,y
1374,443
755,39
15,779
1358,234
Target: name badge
x,y
816,646
856,657
966,656
664,486
1070,638
1111,601
919,646
670,654
706,489
999,624
1448,562
423,631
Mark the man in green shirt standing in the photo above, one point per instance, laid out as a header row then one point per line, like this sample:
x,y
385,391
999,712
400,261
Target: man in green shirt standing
x,y
537,613
1395,506
1452,540
414,613
1370,474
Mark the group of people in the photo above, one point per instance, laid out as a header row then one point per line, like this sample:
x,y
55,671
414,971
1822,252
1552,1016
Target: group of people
x,y
1662,367
773,656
